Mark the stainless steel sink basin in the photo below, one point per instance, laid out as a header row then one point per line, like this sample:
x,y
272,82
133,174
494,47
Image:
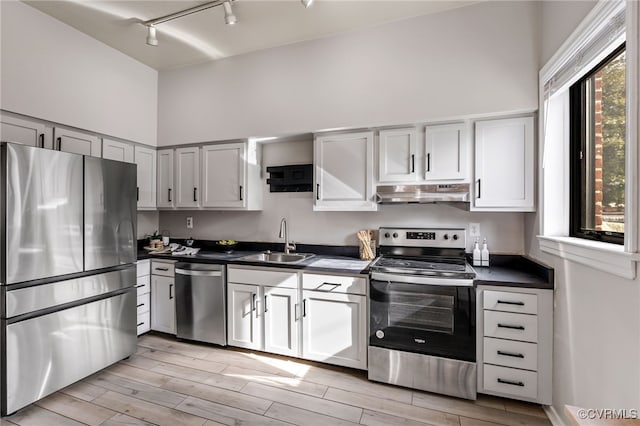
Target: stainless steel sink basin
x,y
276,257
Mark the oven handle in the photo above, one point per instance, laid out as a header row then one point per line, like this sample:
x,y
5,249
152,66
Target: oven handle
x,y
415,279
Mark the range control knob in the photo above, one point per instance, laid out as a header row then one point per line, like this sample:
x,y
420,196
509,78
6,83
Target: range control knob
x,y
387,235
455,236
395,235
380,334
446,236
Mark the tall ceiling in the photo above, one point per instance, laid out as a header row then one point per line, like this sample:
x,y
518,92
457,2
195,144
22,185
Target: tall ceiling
x,y
203,36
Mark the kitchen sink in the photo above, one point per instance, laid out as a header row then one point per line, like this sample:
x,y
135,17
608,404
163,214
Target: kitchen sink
x,y
277,257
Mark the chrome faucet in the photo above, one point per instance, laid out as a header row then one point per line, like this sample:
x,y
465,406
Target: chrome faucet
x,y
285,234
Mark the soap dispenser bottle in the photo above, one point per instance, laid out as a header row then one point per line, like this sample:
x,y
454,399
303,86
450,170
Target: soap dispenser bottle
x,y
484,254
476,254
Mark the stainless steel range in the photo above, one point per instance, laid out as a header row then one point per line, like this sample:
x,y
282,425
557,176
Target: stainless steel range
x,y
422,331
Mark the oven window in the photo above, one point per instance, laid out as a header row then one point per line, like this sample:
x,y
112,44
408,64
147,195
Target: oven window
x,y
425,312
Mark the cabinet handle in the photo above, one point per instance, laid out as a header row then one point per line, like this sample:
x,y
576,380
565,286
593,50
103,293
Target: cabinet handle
x,y
170,291
428,162
478,194
41,140
513,327
334,285
304,307
511,354
59,144
240,192
169,190
253,301
509,382
265,303
161,269
413,163
140,305
508,302
195,194
141,285
140,323
318,191
137,193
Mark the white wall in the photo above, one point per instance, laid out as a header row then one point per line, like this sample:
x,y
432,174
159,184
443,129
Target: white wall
x,y
53,72
597,320
480,59
147,223
504,231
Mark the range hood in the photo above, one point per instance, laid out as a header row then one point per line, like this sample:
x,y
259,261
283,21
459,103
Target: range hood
x,y
423,194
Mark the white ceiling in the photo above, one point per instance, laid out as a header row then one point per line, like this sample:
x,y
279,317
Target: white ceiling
x,y
203,36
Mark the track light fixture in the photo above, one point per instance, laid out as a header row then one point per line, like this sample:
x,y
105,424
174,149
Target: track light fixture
x,y
151,36
229,17
306,3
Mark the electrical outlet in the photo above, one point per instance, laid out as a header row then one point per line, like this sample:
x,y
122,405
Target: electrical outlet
x,y
474,230
189,222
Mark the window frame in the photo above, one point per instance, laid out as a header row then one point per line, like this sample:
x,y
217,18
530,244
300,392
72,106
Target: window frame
x,y
578,140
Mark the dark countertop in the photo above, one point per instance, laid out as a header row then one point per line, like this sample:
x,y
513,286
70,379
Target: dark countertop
x,y
317,263
515,271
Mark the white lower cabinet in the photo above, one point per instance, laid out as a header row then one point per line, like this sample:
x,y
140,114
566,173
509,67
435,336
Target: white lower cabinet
x,y
163,302
143,289
514,342
298,314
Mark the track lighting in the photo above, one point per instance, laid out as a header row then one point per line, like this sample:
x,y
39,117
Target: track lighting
x,y
306,3
229,17
151,36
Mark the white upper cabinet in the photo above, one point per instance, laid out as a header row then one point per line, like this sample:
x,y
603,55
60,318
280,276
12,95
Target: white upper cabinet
x,y
504,172
76,142
397,155
145,159
447,153
343,172
166,193
118,151
223,175
187,177
25,132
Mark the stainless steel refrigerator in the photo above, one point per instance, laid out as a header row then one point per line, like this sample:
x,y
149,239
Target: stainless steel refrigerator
x,y
67,269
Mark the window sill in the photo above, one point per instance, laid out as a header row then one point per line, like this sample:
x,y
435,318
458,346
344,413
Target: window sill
x,y
605,257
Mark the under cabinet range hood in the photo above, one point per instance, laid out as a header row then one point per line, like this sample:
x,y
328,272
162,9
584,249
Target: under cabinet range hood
x,y
423,194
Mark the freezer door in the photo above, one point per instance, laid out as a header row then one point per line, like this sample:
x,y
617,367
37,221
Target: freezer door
x,y
46,353
110,213
43,208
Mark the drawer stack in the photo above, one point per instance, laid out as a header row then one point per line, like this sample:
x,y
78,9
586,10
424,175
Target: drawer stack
x,y
143,286
512,344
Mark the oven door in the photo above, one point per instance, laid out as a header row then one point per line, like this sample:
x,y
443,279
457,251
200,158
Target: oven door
x,y
425,316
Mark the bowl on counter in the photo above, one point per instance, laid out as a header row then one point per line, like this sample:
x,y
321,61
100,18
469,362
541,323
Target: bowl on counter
x,y
226,246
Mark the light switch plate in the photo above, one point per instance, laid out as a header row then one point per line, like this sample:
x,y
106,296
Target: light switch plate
x,y
189,222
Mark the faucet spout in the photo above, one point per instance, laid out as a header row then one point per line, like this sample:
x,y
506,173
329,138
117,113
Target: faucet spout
x,y
285,234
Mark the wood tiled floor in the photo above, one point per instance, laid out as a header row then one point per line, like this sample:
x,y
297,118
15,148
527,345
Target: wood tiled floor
x,y
175,383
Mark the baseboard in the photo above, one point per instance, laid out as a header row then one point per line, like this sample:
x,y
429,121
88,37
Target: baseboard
x,y
555,418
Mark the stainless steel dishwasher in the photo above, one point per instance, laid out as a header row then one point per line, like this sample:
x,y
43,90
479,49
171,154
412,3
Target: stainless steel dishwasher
x,y
200,302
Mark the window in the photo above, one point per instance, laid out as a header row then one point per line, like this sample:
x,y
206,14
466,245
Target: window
x,y
597,111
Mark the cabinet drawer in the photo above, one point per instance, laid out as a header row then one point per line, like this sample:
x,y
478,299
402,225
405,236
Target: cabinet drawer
x,y
144,322
263,277
511,381
143,284
334,284
162,268
143,267
506,325
506,301
510,353
143,303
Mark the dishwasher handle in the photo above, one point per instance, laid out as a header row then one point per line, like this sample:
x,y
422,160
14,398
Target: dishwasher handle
x,y
197,273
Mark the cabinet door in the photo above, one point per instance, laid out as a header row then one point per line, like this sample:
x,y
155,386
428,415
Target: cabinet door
x,y
223,177
344,172
504,165
188,177
119,151
280,321
244,327
146,160
166,193
76,142
446,153
21,131
163,304
334,328
397,155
